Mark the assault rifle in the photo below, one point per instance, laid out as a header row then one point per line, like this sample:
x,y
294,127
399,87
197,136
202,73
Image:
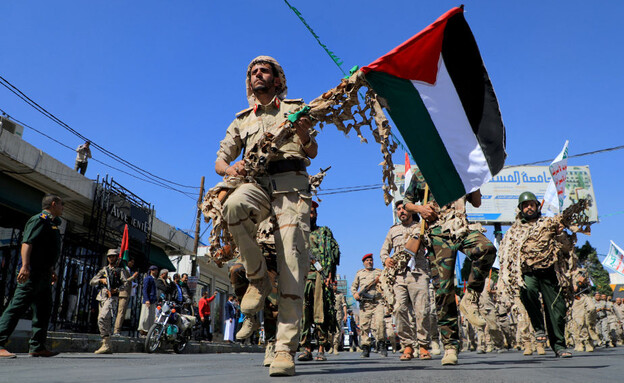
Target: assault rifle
x,y
364,296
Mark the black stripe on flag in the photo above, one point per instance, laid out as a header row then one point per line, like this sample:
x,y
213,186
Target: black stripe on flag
x,y
474,88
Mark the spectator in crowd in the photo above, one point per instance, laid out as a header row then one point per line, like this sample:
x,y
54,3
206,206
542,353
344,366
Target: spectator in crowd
x,y
163,285
204,315
150,297
230,320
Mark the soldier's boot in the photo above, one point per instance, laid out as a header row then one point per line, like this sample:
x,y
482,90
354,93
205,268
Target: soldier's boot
x,y
579,347
469,306
435,348
283,364
489,348
450,356
383,349
254,297
589,347
250,324
105,348
269,354
365,351
540,347
528,349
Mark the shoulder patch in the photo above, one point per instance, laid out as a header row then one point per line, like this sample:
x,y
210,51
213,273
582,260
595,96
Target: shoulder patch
x,y
243,112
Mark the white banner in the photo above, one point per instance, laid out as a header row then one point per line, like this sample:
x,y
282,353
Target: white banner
x,y
615,259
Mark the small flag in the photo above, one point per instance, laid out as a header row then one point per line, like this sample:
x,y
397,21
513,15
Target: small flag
x,y
555,194
124,251
408,171
615,259
441,99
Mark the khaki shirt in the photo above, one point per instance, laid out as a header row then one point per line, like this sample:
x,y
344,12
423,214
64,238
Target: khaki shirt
x,y
395,241
84,153
102,274
362,278
618,310
250,125
601,308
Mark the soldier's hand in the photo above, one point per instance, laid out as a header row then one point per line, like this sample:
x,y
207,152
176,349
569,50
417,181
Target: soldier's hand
x,y
147,304
103,281
54,278
356,296
302,128
389,262
237,169
24,274
427,212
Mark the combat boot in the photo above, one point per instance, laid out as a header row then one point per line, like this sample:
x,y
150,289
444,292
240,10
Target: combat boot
x,y
283,364
450,356
383,349
269,354
435,348
250,324
105,348
254,297
528,349
469,306
589,347
541,350
365,351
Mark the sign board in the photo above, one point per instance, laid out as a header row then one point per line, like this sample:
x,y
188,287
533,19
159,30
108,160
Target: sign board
x,y
500,195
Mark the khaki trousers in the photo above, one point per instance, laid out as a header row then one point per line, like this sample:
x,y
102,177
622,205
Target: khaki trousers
x,y
411,292
105,316
121,314
290,202
372,321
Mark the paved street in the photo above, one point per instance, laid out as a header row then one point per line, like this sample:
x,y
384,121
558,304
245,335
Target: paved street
x,y
600,366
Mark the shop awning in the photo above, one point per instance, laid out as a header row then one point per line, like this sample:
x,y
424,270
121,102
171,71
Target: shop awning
x,y
159,258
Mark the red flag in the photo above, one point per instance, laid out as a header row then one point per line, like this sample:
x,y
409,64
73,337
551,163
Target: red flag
x,y
124,252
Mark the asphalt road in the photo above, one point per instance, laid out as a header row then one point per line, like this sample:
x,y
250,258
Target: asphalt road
x,y
604,365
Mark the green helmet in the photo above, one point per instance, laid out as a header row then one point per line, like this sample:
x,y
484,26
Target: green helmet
x,y
527,196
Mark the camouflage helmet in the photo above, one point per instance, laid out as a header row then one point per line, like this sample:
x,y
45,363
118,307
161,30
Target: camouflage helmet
x,y
283,91
527,196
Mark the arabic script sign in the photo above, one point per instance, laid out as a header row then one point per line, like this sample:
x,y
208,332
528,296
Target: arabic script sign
x,y
500,195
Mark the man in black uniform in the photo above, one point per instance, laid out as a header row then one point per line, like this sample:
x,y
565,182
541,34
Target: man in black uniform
x,y
41,248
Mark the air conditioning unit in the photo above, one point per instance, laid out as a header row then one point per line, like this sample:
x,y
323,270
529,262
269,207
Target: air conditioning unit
x,y
11,126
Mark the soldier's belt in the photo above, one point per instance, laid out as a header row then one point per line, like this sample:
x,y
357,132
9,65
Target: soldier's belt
x,y
283,166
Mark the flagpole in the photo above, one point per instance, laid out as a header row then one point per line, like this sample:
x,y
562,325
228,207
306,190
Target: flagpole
x,y
197,223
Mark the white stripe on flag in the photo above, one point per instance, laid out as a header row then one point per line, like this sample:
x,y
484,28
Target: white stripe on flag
x,y
449,118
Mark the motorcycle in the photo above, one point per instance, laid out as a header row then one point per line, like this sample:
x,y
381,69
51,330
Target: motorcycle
x,y
170,328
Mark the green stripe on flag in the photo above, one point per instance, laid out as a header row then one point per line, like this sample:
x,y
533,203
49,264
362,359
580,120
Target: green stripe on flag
x,y
411,117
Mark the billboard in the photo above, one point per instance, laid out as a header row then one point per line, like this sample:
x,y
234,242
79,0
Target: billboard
x,y
500,195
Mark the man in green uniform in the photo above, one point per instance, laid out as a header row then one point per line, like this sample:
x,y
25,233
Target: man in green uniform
x,y
41,248
282,189
539,252
448,233
319,299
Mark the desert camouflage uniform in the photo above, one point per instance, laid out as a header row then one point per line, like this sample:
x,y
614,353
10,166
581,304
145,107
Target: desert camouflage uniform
x,y
286,195
371,310
319,300
602,323
614,330
448,235
108,304
584,317
340,309
411,288
493,336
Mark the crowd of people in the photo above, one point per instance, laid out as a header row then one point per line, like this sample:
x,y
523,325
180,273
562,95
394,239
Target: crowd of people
x,y
284,277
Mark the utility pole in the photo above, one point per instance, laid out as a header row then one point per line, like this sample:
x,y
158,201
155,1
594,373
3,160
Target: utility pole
x,y
197,223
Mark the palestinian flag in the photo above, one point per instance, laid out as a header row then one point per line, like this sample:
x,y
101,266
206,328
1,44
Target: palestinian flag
x,y
124,251
441,99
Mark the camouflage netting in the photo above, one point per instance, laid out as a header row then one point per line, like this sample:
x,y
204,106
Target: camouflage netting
x,y
535,245
388,278
339,106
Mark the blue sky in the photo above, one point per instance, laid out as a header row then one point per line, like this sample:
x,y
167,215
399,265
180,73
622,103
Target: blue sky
x,y
158,82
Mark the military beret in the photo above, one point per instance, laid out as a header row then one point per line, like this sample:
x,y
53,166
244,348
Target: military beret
x,y
369,255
